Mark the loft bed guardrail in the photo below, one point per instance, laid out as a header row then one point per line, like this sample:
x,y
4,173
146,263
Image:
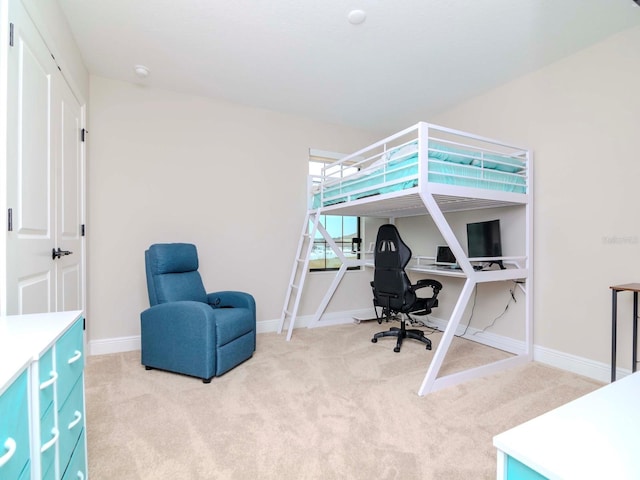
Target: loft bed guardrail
x,y
447,162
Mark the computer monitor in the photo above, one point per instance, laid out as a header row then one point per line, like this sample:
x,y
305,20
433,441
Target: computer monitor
x,y
483,240
444,256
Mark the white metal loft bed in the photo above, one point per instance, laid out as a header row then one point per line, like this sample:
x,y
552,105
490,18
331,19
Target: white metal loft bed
x,y
425,170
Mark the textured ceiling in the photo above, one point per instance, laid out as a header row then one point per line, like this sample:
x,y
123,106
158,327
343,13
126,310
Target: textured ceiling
x,y
409,60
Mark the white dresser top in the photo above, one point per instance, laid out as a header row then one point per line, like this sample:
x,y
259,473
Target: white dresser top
x,y
594,436
23,338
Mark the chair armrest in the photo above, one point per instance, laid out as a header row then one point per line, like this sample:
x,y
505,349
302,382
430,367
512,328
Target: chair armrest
x,y
428,282
232,299
193,313
180,321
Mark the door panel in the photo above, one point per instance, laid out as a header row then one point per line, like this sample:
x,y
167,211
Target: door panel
x,y
34,195
34,293
69,287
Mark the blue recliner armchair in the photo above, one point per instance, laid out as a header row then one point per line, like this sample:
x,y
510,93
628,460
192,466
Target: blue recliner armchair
x,y
187,330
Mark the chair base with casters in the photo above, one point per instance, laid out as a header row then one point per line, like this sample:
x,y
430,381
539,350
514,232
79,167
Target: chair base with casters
x,y
403,333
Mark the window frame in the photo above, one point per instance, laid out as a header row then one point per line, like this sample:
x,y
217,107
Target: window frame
x,y
320,159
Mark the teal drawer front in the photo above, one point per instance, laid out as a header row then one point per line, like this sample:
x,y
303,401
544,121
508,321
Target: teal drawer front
x,y
14,429
69,360
77,469
26,472
519,471
49,437
47,376
50,474
71,422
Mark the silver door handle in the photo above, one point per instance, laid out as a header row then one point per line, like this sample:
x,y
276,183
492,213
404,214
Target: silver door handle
x,y
59,253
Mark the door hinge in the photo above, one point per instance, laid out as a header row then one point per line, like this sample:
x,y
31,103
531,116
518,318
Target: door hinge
x,y
82,230
10,220
11,34
83,132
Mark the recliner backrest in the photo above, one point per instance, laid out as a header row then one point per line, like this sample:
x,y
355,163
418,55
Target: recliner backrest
x,y
172,273
391,256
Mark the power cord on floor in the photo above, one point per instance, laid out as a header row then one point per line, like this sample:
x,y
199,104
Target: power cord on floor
x,y
420,324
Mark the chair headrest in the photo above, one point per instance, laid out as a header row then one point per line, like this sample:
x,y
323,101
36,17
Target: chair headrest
x,y
391,251
172,258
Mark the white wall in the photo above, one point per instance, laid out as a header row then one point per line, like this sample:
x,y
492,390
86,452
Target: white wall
x,y
581,117
168,167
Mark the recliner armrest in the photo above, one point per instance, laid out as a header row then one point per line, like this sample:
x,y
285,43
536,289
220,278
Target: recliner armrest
x,y
184,310
230,298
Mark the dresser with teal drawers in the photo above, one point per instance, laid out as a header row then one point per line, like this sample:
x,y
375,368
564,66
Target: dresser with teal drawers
x,y
42,414
592,437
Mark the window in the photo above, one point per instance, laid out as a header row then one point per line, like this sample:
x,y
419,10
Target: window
x,y
343,231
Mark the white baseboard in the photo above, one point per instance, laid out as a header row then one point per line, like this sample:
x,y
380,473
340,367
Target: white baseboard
x,y
581,366
127,344
114,345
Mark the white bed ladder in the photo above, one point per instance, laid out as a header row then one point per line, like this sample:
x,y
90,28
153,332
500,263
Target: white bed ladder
x,y
299,272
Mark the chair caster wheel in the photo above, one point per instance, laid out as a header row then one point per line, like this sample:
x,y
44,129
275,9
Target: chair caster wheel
x,y
396,349
374,340
428,347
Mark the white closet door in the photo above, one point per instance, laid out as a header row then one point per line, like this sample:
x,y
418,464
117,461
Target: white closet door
x,y
44,178
30,162
69,204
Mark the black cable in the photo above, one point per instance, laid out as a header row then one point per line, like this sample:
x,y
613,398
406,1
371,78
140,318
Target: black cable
x,y
513,298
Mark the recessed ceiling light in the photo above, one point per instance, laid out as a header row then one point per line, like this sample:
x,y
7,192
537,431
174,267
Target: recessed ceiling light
x,y
356,17
141,71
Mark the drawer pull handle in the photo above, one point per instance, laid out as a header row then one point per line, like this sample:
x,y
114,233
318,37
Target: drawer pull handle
x,y
54,376
75,358
80,475
76,420
56,433
10,446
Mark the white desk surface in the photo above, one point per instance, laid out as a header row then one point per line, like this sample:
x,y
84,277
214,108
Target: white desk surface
x,y
23,338
595,436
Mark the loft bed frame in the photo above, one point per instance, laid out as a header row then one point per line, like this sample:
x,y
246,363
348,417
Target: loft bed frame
x,y
430,170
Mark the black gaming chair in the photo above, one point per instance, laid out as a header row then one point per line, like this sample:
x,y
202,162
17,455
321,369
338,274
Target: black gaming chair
x,y
392,290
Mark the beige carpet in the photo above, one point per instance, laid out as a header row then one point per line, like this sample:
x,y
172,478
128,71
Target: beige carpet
x,y
327,405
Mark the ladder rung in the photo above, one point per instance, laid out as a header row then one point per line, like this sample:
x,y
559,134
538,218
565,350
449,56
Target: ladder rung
x,y
294,286
300,260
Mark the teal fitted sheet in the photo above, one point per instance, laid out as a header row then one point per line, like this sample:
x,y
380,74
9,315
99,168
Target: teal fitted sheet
x,y
403,174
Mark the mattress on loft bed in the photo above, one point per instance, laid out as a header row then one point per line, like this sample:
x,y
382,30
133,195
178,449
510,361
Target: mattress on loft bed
x,y
447,165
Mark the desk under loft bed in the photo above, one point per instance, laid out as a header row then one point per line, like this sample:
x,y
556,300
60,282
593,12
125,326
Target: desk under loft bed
x,y
425,170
